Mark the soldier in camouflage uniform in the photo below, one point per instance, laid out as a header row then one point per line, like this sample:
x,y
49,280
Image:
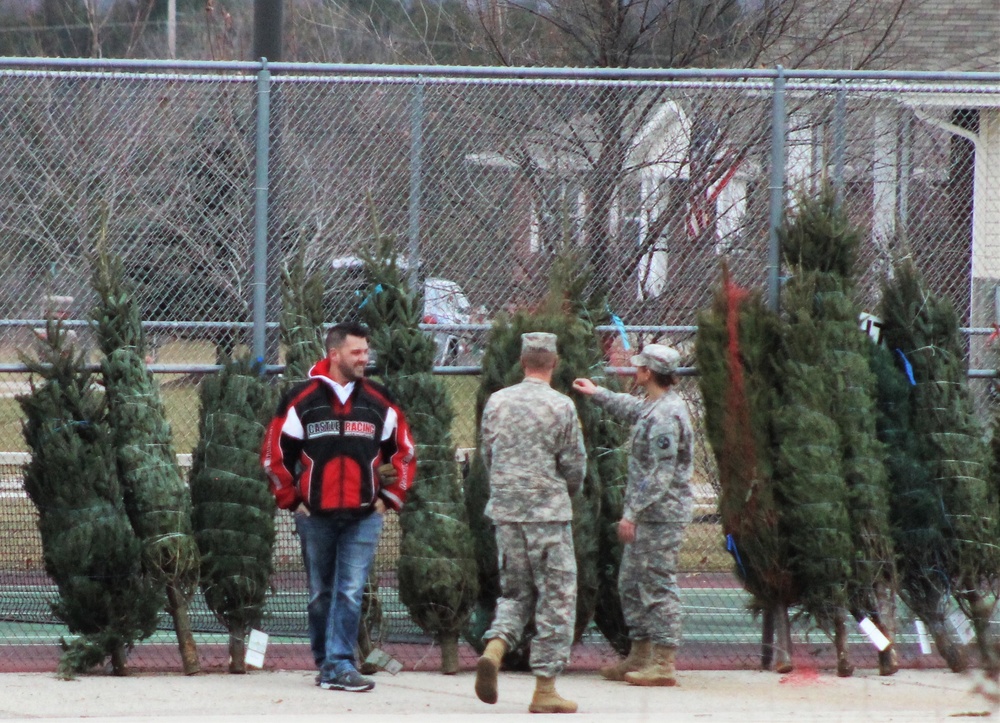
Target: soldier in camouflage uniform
x,y
657,509
532,446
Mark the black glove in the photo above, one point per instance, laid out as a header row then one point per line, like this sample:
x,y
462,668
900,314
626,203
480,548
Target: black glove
x,y
387,474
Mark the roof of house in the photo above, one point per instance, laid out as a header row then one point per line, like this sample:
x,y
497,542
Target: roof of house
x,y
952,35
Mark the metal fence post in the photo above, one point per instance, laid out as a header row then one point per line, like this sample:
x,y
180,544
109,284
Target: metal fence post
x,y
839,143
261,211
416,171
777,199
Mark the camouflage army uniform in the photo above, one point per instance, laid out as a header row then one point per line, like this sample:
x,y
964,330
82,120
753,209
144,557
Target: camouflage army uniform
x,y
658,500
533,450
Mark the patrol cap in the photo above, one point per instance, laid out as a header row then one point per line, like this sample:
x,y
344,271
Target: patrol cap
x,y
538,341
658,358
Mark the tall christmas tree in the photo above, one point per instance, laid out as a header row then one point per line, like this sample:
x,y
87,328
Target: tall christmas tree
x,y
737,352
791,416
437,571
233,514
922,330
565,315
605,438
91,552
820,242
157,500
809,479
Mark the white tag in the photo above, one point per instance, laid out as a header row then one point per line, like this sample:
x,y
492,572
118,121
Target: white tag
x,y
874,634
383,660
962,625
256,646
922,637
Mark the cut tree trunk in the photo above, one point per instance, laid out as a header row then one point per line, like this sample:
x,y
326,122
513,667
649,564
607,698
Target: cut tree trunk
x,y
783,640
119,660
844,667
953,653
449,654
981,624
177,606
237,651
767,639
884,619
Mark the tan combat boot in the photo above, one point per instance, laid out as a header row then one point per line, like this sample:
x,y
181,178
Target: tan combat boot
x,y
546,700
638,657
487,669
659,671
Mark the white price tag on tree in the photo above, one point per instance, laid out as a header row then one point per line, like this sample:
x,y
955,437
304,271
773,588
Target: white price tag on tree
x,y
256,646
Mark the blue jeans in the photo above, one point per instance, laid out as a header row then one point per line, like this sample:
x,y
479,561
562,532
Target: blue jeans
x,y
337,554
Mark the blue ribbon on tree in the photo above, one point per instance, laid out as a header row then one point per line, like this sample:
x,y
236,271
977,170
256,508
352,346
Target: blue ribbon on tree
x,y
732,550
907,367
376,290
620,325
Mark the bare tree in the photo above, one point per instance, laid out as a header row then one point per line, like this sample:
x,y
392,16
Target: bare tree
x,y
83,28
604,134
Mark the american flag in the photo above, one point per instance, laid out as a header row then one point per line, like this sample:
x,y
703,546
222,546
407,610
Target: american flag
x,y
703,205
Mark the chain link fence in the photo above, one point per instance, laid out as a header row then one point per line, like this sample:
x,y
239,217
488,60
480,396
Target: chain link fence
x,y
203,177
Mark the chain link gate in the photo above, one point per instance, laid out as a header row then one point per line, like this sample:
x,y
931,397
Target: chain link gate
x,y
485,177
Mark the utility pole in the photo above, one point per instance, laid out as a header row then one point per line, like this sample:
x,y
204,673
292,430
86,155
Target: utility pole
x,y
267,30
172,29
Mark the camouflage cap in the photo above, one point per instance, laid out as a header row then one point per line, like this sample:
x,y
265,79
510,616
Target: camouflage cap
x,y
659,358
538,341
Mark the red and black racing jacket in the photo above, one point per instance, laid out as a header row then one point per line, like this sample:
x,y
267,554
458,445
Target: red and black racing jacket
x,y
325,453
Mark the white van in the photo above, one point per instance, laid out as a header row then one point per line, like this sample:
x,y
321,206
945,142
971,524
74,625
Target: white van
x,y
444,303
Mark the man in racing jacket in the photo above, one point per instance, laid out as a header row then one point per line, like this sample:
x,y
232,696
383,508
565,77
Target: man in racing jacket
x,y
338,452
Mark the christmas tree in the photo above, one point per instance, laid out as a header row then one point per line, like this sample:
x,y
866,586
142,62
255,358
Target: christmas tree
x,y
922,330
301,327
808,473
917,519
437,572
820,242
233,508
90,550
605,438
301,333
737,352
790,408
566,315
157,500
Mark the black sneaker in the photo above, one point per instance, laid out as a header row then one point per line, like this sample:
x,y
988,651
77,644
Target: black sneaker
x,y
349,680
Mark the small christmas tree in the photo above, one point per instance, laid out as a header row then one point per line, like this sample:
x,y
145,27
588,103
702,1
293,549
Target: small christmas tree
x,y
917,519
437,572
301,332
156,498
301,327
565,314
90,549
922,330
233,513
